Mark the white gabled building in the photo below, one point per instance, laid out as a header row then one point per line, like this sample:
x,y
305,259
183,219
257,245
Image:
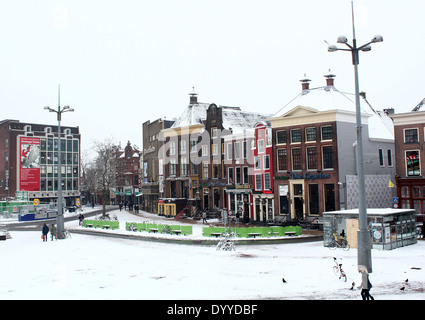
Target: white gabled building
x,y
315,153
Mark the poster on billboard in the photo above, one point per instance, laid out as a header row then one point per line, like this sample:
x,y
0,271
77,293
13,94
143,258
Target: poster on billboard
x,y
29,175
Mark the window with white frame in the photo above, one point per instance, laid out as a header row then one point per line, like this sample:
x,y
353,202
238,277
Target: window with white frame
x,y
172,148
257,160
266,162
237,150
258,182
204,150
183,146
238,175
229,151
413,163
267,181
411,135
205,169
193,145
260,144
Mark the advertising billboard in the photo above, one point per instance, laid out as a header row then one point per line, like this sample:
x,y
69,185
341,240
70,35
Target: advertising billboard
x,y
29,160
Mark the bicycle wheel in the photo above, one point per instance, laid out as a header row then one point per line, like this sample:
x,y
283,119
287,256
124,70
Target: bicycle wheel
x,y
345,246
343,276
332,245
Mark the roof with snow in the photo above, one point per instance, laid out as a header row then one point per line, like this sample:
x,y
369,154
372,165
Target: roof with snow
x,y
233,117
329,98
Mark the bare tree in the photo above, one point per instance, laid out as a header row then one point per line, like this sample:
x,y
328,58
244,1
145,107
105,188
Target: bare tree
x,y
105,168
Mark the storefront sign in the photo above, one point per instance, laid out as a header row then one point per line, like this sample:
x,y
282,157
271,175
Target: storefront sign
x,y
309,176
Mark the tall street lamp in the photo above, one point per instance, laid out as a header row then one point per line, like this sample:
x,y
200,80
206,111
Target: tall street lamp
x,y
59,111
363,236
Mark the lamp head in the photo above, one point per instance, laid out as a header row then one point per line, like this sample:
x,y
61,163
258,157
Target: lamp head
x,y
332,48
367,48
342,39
377,38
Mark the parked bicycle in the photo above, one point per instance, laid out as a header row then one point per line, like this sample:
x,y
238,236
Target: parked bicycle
x,y
226,243
65,234
337,268
166,229
339,242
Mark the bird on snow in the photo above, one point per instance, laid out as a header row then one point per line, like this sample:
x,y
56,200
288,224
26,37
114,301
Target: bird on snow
x,y
352,286
283,280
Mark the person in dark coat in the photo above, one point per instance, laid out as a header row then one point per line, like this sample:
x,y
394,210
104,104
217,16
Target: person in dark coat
x,y
45,231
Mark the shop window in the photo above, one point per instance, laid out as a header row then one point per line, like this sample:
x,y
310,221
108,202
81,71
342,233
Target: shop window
x,y
412,163
411,135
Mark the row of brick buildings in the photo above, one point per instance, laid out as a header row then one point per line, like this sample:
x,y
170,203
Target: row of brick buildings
x,y
297,163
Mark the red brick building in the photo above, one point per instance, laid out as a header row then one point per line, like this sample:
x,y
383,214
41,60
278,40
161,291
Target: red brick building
x,y
409,131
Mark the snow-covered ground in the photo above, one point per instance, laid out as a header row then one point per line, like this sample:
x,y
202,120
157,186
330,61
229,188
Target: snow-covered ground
x,y
95,267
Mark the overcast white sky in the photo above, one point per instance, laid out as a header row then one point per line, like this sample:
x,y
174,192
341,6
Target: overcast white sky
x,y
121,63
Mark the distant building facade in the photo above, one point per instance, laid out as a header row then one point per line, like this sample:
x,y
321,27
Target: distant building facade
x,y
410,160
127,173
314,140
194,155
149,180
29,161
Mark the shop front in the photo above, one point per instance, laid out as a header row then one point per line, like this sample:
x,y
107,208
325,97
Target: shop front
x,y
389,228
239,200
263,207
303,196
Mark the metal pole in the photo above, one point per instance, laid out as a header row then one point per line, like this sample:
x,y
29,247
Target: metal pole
x,y
60,219
364,257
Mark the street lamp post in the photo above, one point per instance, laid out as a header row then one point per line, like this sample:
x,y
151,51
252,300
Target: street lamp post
x,y
363,236
59,111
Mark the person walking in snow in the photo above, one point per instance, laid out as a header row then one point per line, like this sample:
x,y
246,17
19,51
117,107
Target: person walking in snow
x,y
53,232
204,217
45,231
81,219
365,285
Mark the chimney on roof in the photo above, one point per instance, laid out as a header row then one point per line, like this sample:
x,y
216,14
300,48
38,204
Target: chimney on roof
x,y
305,83
330,79
193,97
